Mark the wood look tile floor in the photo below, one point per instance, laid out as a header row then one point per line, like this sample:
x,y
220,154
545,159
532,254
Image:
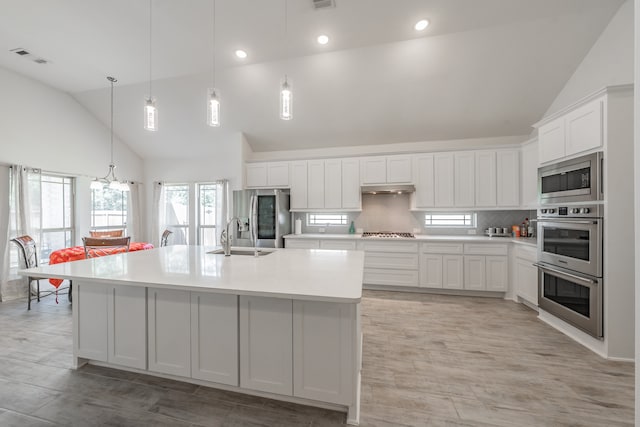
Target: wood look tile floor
x,y
429,360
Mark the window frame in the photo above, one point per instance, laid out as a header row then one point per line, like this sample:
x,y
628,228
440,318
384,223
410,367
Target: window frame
x,y
312,222
186,228
124,212
199,227
473,220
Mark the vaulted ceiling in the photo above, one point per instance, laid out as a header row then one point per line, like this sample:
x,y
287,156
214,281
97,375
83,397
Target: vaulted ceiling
x,y
482,68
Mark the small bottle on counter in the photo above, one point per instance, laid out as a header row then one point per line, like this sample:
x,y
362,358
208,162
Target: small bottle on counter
x,y
523,230
516,231
352,228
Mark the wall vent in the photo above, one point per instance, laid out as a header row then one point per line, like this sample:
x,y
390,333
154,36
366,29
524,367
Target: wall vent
x,y
323,4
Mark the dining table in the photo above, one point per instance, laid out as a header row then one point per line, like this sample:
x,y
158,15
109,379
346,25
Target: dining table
x,y
76,253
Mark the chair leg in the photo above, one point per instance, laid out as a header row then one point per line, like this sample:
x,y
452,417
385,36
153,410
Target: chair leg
x,y
70,288
29,294
38,289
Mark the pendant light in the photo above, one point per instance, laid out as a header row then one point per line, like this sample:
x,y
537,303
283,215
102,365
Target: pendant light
x,y
110,179
150,109
286,93
213,102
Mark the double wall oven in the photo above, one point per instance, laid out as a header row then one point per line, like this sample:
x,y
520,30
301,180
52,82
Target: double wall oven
x,y
570,240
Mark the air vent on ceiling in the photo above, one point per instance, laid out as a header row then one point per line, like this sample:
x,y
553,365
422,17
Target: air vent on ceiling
x,y
323,4
26,54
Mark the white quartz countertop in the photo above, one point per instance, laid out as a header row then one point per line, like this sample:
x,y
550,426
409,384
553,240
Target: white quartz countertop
x,y
317,275
531,241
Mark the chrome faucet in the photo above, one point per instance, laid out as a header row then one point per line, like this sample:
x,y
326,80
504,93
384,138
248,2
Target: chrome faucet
x,y
226,238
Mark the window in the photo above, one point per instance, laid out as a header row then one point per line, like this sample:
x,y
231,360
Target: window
x,y
177,212
327,219
108,209
191,212
460,219
54,212
207,214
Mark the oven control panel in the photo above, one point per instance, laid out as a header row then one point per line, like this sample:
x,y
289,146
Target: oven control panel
x,y
578,211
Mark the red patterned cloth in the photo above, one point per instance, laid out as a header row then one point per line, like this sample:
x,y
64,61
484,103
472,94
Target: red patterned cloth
x,y
77,252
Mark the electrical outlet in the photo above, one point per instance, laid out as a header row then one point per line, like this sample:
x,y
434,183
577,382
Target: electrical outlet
x,y
321,230
472,231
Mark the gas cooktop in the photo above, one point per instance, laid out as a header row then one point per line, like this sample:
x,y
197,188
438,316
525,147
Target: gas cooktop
x,y
387,234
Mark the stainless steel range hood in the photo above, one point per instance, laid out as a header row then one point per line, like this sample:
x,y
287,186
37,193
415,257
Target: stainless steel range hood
x,y
388,189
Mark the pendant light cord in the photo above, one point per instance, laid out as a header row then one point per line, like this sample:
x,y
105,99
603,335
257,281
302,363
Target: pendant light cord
x,y
112,80
213,30
150,44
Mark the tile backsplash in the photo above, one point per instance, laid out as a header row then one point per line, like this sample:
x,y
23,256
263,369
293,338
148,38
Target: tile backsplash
x,y
390,212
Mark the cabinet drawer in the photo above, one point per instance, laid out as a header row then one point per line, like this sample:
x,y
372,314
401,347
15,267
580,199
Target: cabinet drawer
x,y
379,276
391,260
302,244
442,248
527,253
485,249
349,245
378,246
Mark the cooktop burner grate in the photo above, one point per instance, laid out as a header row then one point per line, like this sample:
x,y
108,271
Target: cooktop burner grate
x,y
387,234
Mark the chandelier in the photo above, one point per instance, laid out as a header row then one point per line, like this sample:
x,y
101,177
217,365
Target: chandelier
x,y
110,179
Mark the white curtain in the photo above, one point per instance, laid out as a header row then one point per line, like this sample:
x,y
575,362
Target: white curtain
x,y
16,218
134,215
158,221
222,207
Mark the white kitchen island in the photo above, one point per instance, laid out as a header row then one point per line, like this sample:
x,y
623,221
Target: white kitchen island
x,y
284,325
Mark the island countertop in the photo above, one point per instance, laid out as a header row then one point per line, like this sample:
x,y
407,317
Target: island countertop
x,y
315,275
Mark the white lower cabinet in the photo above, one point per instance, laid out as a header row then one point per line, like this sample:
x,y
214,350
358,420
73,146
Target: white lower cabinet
x,y
345,245
214,337
127,325
474,273
302,244
90,307
390,263
266,344
497,273
111,324
323,351
431,271
169,331
526,274
452,272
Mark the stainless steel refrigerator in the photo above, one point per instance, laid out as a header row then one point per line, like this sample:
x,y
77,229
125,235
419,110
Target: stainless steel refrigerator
x,y
263,212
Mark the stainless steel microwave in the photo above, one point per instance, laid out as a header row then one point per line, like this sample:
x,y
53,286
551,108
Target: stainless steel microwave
x,y
575,180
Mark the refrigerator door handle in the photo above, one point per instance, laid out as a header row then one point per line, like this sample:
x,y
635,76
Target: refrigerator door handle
x,y
253,223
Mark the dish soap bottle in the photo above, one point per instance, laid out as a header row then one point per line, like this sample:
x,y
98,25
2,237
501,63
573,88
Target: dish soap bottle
x,y
352,228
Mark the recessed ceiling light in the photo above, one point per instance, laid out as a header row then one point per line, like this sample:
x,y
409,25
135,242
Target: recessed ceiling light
x,y
323,39
241,54
421,25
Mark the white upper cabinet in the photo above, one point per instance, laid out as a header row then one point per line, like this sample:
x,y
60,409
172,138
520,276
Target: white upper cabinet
x,y
298,196
443,179
551,141
529,175
486,178
374,170
399,169
267,175
351,194
386,170
315,194
333,184
576,131
424,179
583,128
508,173
465,189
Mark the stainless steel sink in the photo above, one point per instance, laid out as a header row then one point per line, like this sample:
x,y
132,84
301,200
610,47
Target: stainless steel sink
x,y
247,252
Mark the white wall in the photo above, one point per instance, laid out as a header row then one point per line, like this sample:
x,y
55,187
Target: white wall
x,y
44,128
609,62
226,164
